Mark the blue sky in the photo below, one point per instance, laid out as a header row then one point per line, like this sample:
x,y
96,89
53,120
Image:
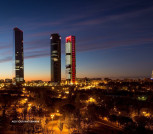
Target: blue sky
x,y
114,38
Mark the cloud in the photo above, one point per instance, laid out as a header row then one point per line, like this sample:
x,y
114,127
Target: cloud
x,y
4,45
112,17
35,45
43,52
6,59
28,55
79,23
38,34
37,53
36,49
113,44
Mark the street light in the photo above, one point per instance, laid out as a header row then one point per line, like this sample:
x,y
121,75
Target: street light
x,y
91,100
52,116
29,104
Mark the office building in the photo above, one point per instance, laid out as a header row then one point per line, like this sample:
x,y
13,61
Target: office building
x,y
70,60
152,75
18,55
8,80
55,41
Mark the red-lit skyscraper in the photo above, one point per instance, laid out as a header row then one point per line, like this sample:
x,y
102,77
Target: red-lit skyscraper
x,y
70,59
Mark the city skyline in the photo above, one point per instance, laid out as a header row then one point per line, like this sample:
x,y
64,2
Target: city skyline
x,y
117,36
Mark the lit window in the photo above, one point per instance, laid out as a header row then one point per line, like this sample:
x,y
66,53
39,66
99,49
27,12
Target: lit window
x,y
17,61
55,59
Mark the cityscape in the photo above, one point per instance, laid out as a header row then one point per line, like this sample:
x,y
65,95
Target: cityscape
x,y
76,67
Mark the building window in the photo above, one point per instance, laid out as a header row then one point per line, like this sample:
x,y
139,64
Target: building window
x,y
17,61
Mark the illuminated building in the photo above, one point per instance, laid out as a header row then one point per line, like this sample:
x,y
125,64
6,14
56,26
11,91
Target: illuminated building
x,y
8,80
70,59
18,54
1,81
152,76
55,41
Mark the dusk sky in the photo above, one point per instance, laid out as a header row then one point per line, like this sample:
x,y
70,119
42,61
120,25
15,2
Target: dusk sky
x,y
114,38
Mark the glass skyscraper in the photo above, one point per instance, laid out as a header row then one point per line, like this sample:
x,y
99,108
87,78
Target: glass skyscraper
x,y
18,54
70,60
55,41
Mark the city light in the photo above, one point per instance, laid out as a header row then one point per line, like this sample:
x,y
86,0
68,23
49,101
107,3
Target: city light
x,y
52,116
79,67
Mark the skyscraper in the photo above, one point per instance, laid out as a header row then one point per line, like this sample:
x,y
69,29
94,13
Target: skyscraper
x,y
70,59
152,75
55,41
18,54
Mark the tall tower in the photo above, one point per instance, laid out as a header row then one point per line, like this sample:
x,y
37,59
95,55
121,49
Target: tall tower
x,y
18,55
152,75
55,41
70,59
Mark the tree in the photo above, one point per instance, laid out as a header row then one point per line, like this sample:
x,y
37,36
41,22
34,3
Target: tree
x,y
124,120
141,121
33,111
112,118
67,109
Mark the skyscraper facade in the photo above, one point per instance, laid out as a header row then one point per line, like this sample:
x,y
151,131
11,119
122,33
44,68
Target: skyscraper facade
x,y
55,41
70,59
152,75
18,54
